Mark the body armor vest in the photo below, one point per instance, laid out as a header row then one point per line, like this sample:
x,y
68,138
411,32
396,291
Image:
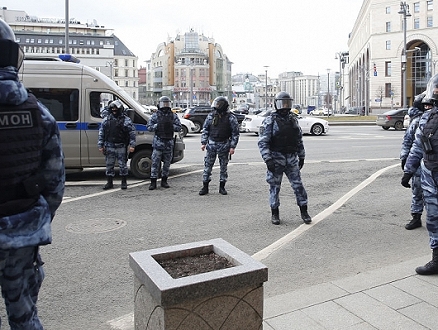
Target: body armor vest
x,y
115,129
220,129
287,137
21,144
165,125
431,159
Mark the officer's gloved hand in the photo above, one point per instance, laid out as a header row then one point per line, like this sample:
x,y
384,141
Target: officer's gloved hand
x,y
270,164
405,180
403,163
301,163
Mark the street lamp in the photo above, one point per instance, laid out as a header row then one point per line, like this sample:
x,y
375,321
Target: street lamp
x,y
343,57
110,64
404,10
328,92
266,86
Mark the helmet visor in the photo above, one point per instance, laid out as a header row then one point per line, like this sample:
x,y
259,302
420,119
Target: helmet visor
x,y
164,104
283,104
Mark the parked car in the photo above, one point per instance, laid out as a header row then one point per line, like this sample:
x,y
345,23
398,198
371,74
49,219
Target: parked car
x,y
198,115
187,126
392,118
321,112
406,121
353,111
309,125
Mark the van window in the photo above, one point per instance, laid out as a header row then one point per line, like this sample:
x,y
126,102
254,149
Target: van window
x,y
63,103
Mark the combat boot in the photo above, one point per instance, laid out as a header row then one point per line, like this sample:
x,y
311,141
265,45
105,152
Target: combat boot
x,y
275,217
431,267
415,222
204,190
304,215
164,183
109,183
153,184
124,183
222,190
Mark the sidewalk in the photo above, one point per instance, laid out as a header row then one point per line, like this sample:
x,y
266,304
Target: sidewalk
x,y
393,297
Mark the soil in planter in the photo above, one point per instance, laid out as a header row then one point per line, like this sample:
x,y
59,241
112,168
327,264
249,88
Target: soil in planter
x,y
192,265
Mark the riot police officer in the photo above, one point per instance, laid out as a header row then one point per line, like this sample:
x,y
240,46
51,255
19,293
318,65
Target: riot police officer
x,y
424,154
420,105
116,134
164,123
220,135
282,149
31,186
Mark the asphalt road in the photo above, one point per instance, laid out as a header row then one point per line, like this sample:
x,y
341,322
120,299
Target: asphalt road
x,y
352,176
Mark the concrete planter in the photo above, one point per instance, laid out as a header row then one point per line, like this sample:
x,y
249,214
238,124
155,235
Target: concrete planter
x,y
230,298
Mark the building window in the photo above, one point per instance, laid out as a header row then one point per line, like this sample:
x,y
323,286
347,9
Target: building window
x,y
430,5
387,69
388,45
416,23
388,26
388,90
416,7
429,21
388,10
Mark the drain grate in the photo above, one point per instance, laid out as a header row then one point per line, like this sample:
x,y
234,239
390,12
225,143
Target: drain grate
x,y
95,226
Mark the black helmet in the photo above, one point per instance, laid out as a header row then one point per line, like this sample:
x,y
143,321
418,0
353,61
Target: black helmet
x,y
220,104
10,52
116,107
432,89
418,101
164,103
283,101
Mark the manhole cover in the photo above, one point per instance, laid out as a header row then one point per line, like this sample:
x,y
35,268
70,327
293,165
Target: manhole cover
x,y
95,226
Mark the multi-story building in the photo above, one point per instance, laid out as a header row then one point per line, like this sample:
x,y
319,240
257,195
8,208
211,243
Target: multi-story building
x,y
94,45
390,61
191,69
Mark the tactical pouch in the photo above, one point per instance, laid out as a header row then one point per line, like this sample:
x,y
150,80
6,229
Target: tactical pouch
x,y
427,146
34,185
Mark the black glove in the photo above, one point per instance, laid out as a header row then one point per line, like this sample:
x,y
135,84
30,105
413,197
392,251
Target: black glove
x,y
403,162
270,164
301,163
405,180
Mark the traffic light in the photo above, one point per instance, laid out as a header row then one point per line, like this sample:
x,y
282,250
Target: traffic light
x,y
375,70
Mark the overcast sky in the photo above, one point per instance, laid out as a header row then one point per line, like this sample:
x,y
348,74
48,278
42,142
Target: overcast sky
x,y
286,35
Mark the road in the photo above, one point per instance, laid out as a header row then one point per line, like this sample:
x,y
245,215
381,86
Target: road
x,y
352,176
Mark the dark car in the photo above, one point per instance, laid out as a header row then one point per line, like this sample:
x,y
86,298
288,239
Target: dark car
x,y
392,118
198,115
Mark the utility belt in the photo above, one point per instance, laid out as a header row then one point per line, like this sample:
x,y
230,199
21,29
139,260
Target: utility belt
x,y
115,144
21,197
217,140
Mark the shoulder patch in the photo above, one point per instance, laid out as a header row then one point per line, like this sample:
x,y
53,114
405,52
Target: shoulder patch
x,y
16,119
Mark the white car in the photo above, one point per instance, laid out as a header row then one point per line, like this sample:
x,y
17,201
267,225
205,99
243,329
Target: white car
x,y
187,126
309,125
406,121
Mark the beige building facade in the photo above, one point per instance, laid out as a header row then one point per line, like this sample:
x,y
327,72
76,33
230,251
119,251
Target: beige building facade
x,y
376,53
191,69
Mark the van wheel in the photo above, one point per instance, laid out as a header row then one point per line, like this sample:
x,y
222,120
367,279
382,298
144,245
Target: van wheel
x,y
141,164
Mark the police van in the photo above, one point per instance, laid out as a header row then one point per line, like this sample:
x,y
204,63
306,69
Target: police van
x,y
75,95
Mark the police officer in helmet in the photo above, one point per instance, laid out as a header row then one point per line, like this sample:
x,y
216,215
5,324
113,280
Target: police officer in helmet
x,y
31,186
164,123
282,149
220,135
116,138
424,154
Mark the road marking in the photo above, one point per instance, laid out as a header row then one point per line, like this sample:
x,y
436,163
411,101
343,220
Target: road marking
x,y
267,251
